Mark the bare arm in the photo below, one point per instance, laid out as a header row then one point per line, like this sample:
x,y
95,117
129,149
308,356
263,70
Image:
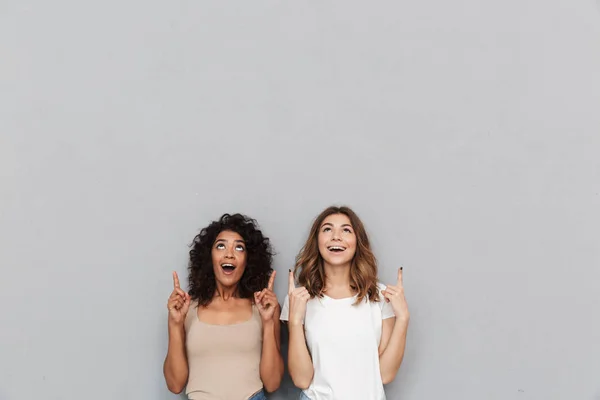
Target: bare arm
x,y
391,350
299,360
393,334
175,367
271,362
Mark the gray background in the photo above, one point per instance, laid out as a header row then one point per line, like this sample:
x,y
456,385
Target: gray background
x,y
465,133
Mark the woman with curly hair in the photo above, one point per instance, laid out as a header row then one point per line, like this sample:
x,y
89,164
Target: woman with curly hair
x,y
224,340
347,330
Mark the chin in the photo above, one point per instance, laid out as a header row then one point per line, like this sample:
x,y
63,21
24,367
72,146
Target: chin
x,y
339,263
229,281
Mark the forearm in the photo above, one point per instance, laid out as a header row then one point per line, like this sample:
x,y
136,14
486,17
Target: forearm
x,y
175,367
391,358
271,362
299,360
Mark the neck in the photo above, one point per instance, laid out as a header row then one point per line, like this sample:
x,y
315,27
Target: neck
x,y
225,292
337,276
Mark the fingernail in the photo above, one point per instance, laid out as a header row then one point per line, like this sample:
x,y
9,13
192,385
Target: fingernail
x,y
290,270
401,268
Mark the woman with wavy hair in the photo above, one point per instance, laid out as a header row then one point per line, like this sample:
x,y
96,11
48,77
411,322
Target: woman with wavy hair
x,y
224,340
347,331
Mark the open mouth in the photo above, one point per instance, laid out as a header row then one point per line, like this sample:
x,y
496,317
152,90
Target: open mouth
x,y
228,268
336,249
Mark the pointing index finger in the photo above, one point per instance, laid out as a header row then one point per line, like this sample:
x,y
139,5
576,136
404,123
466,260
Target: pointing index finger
x,y
175,280
400,277
271,281
291,284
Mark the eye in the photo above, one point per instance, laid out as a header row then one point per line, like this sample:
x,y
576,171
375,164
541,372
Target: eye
x,y
220,246
348,230
326,229
239,247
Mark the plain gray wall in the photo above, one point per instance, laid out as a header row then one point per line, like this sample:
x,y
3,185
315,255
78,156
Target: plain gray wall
x,y
465,133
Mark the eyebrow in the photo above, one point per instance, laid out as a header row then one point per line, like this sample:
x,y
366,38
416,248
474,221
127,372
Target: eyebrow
x,y
330,224
235,241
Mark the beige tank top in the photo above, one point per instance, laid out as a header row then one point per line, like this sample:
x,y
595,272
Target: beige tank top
x,y
223,360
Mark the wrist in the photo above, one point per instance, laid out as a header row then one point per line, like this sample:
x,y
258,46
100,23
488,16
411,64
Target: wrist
x,y
402,320
295,324
176,326
268,324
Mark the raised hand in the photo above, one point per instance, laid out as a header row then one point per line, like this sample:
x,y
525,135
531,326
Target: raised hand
x,y
266,301
178,303
298,298
395,296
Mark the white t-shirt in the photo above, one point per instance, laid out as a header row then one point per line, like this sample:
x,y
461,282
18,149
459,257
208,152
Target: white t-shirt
x,y
343,340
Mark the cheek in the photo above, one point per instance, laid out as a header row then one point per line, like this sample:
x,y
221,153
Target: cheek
x,y
352,242
242,259
321,244
322,240
322,248
353,253
215,263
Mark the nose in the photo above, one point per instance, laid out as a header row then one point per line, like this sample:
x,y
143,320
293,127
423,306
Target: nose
x,y
229,253
336,235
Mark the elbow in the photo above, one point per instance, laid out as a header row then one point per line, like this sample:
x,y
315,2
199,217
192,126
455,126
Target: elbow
x,y
270,387
301,383
272,381
176,385
175,388
303,379
273,384
388,377
175,378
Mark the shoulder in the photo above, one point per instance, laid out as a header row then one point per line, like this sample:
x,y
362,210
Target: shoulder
x,y
193,305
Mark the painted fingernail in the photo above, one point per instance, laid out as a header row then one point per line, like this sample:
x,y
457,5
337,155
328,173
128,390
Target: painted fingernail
x,y
401,268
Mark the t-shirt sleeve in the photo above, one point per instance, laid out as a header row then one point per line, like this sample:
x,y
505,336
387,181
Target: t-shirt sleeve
x,y
285,309
386,308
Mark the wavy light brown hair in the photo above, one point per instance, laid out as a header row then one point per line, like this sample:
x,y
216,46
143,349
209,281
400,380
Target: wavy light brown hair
x,y
363,270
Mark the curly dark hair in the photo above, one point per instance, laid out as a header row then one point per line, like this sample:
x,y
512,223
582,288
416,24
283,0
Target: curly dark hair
x,y
259,257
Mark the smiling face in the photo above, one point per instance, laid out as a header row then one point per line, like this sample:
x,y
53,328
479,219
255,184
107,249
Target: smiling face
x,y
229,258
337,240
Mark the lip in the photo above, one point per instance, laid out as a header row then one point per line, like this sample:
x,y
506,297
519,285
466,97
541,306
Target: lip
x,y
228,272
331,248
